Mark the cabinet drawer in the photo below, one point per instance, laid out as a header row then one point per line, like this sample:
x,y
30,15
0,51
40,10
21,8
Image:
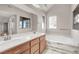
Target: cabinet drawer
x,y
37,52
42,37
34,41
34,48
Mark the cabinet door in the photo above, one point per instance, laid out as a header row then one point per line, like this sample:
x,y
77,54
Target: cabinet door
x,y
35,41
34,45
25,46
42,44
36,52
34,48
26,51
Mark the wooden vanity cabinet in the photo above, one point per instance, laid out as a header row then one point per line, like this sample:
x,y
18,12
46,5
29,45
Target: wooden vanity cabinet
x,y
26,52
25,48
36,52
35,46
42,43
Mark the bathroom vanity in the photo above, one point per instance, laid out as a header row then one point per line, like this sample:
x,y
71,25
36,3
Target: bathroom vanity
x,y
24,44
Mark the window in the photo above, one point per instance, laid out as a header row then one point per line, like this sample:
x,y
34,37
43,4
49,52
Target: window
x,y
52,22
20,24
43,22
24,22
76,19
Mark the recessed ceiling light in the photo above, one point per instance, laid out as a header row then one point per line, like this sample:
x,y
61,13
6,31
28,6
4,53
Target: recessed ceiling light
x,y
36,5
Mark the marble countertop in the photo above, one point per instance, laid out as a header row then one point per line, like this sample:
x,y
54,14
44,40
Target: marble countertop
x,y
18,39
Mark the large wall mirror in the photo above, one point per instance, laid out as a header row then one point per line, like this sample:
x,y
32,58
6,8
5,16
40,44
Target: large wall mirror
x,y
76,18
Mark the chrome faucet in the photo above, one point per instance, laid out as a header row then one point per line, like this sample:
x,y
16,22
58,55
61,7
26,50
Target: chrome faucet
x,y
7,37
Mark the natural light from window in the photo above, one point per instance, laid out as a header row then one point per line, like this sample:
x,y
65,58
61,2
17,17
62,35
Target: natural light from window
x,y
42,25
43,22
36,5
52,22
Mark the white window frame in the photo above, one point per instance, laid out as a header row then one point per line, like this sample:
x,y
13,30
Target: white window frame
x,y
52,22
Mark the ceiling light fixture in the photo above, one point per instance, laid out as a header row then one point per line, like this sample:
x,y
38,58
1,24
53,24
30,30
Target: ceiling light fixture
x,y
36,5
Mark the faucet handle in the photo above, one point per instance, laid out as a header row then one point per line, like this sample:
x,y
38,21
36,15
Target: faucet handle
x,y
9,37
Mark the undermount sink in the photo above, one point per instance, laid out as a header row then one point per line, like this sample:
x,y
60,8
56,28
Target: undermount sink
x,y
1,42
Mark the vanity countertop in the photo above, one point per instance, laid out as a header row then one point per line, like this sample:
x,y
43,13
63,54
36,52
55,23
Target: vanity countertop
x,y
18,39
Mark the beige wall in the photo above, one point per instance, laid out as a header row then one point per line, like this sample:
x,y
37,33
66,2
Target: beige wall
x,y
74,6
34,22
39,28
63,13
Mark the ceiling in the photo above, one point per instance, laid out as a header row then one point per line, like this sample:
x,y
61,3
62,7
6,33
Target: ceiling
x,y
5,14
42,7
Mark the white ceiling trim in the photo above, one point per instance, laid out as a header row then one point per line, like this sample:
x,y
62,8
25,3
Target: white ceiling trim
x,y
42,7
27,9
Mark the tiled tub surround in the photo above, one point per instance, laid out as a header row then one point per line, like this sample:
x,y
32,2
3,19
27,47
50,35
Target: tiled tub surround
x,y
24,39
60,44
